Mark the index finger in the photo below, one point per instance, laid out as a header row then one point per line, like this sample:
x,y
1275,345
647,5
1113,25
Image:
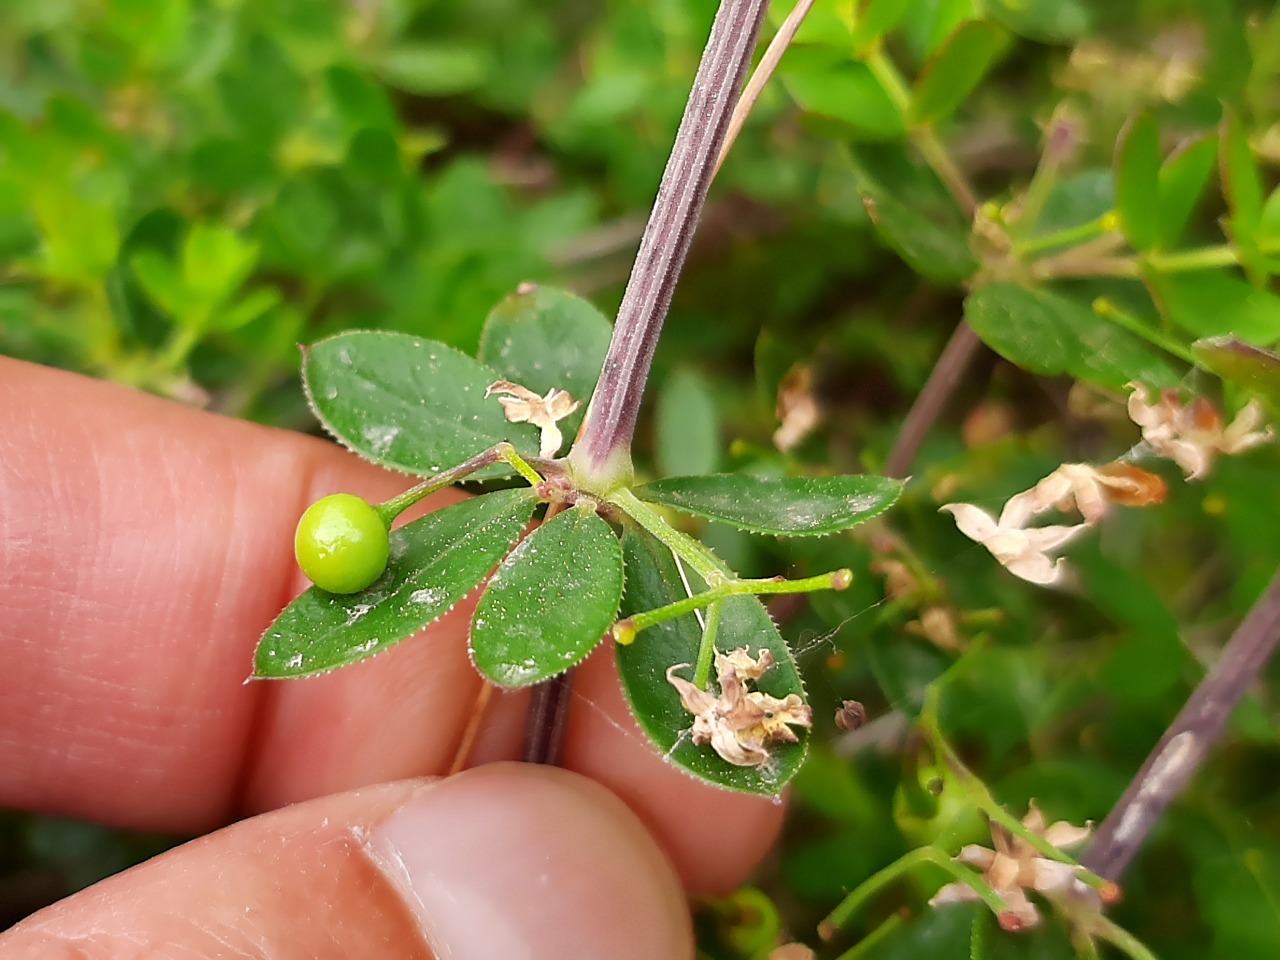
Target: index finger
x,y
144,548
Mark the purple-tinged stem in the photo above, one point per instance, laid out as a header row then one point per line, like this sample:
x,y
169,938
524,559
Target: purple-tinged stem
x,y
1188,739
610,423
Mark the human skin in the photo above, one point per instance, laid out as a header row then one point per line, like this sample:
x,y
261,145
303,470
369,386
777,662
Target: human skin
x,y
144,547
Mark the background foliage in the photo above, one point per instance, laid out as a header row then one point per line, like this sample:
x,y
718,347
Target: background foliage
x,y
188,188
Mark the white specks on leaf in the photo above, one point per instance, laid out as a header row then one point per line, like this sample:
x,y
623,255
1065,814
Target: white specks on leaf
x,y
380,437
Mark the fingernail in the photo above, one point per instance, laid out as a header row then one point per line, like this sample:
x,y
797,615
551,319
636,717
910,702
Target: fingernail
x,y
517,861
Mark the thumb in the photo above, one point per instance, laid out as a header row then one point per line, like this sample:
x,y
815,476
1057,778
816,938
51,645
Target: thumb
x,y
506,860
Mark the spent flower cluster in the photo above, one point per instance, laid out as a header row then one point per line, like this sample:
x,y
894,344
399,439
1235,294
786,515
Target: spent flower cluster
x,y
740,723
1191,435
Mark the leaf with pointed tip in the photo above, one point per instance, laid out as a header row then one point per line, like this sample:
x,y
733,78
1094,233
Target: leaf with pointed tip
x,y
413,405
542,337
653,581
550,603
781,506
435,562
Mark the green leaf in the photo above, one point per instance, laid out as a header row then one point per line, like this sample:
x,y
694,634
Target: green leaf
x,y
1183,178
1137,182
686,425
782,506
542,337
874,18
550,603
436,69
1047,333
955,69
1269,223
1211,303
413,405
827,83
653,581
435,562
1242,186
1048,21
161,282
913,212
216,261
1249,367
248,308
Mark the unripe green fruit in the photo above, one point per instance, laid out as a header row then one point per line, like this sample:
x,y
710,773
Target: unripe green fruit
x,y
342,543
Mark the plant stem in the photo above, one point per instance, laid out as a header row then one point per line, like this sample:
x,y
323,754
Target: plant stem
x,y
707,648
925,139
903,865
392,508
1184,745
1122,939
547,719
1070,236
734,588
704,563
1108,310
764,70
943,380
602,452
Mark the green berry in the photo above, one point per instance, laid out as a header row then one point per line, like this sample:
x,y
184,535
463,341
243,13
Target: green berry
x,y
342,543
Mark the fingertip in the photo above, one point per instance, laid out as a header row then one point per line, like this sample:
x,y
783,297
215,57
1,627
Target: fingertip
x,y
539,863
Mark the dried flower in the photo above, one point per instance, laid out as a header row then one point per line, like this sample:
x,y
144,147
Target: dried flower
x,y
1191,435
1026,553
740,723
1079,486
1015,866
798,411
524,406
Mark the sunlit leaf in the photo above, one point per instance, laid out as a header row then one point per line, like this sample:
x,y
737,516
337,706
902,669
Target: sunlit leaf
x,y
1242,186
1049,21
653,581
550,603
409,404
435,562
783,506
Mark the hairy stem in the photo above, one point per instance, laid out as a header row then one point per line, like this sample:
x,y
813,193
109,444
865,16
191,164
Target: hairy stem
x,y
603,447
1187,741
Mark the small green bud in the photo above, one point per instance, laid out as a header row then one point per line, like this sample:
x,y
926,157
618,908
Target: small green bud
x,y
342,543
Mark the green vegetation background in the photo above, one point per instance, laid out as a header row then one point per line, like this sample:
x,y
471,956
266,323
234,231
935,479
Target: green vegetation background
x,y
189,188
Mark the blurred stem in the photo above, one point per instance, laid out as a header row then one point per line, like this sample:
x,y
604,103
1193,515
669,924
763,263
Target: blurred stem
x,y
1121,939
848,907
1109,311
932,400
602,453
1187,741
1071,236
926,140
873,939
